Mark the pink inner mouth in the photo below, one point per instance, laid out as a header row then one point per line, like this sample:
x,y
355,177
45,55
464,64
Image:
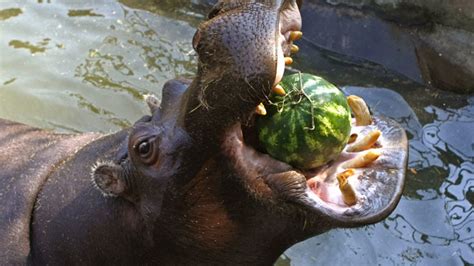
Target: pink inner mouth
x,y
321,183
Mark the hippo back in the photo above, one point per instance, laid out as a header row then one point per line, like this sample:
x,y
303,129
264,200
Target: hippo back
x,y
27,156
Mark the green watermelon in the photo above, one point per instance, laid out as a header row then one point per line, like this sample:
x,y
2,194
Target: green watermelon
x,y
307,127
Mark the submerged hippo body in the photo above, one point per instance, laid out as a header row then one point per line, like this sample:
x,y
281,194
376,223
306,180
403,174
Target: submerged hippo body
x,y
183,186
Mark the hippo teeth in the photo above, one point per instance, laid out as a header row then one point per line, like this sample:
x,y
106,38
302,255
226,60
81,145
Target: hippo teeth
x,y
295,35
348,195
260,109
278,90
294,49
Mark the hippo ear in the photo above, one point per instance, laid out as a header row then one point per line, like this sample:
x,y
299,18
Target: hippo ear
x,y
153,102
108,178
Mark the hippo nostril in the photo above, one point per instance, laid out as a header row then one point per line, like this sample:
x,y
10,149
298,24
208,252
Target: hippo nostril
x,y
214,12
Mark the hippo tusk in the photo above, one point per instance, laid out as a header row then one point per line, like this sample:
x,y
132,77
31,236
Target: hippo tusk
x,y
288,61
363,159
348,195
366,142
360,110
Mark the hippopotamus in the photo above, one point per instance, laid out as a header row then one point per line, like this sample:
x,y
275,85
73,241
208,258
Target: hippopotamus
x,y
186,184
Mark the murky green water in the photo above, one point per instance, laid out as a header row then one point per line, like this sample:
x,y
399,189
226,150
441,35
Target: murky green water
x,y
79,66
84,65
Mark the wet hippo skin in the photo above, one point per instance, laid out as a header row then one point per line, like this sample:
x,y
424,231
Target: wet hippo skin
x,y
184,185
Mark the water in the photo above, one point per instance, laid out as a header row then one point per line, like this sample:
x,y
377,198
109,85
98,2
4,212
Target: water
x,y
82,66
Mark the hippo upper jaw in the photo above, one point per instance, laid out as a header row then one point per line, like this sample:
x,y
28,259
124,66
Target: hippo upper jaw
x,y
239,63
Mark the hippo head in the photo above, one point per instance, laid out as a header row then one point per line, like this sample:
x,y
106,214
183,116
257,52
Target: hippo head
x,y
191,170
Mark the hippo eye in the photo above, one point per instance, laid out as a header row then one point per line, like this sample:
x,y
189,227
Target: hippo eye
x,y
146,151
144,148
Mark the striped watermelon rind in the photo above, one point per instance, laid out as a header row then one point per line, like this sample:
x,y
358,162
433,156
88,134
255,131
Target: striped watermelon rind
x,y
307,127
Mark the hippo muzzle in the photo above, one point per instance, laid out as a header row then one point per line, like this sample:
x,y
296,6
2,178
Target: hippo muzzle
x,y
241,51
239,63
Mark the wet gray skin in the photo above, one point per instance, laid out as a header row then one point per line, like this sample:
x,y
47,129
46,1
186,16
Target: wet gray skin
x,y
182,186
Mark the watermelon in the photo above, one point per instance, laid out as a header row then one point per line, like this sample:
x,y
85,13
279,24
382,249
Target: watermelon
x,y
307,127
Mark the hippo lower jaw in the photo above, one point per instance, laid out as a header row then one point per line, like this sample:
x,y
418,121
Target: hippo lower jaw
x,y
252,57
377,186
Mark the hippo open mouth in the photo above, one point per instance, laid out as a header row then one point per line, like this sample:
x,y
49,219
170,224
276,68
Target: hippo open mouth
x,y
374,174
239,65
362,186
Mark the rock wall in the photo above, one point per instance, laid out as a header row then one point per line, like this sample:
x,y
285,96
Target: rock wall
x,y
454,13
441,34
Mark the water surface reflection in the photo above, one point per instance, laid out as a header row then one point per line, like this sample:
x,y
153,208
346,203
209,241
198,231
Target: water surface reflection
x,y
62,69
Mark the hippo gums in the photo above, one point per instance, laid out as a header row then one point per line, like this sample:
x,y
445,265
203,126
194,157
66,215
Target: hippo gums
x,y
187,184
